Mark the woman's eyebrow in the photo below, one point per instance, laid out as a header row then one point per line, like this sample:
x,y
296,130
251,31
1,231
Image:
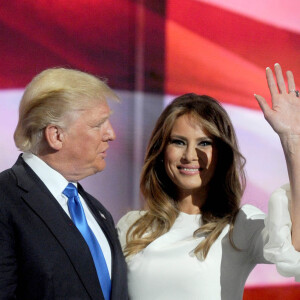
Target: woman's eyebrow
x,y
185,138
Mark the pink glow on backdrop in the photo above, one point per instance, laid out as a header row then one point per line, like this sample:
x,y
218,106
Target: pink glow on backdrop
x,y
283,14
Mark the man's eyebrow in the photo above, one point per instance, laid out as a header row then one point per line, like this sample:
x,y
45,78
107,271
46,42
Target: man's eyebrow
x,y
102,120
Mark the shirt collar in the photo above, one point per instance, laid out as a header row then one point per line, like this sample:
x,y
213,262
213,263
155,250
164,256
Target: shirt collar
x,y
53,180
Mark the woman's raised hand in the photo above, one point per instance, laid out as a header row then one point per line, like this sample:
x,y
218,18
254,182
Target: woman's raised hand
x,y
284,116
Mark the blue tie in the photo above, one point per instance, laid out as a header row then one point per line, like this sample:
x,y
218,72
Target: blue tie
x,y
78,217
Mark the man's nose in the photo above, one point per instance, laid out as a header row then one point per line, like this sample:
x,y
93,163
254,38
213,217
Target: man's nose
x,y
110,134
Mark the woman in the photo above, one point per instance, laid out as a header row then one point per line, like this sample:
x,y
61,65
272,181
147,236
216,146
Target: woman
x,y
194,241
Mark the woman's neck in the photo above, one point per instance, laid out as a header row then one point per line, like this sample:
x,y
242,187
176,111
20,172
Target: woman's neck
x,y
191,203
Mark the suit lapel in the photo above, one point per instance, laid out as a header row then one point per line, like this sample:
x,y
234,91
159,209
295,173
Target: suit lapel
x,y
106,223
61,226
99,215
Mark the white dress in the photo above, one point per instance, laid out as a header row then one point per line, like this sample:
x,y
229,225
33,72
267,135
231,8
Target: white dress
x,y
168,269
278,248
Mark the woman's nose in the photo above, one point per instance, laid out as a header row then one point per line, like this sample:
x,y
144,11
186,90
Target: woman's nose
x,y
190,154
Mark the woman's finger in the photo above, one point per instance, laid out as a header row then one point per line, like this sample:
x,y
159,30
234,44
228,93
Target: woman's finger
x,y
291,82
263,105
271,83
279,78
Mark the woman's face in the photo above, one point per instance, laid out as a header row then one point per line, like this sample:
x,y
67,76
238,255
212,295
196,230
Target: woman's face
x,y
190,157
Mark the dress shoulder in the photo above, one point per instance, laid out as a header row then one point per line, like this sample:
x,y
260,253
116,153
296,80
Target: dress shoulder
x,y
250,219
252,212
247,232
125,222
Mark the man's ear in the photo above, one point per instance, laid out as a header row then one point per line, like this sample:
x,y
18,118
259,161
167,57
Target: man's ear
x,y
54,136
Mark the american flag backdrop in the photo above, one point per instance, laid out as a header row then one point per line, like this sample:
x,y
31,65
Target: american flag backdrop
x,y
151,51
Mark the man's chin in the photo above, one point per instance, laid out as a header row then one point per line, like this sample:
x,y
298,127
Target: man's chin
x,y
101,166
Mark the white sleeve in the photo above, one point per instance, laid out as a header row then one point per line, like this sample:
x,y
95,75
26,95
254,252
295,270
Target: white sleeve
x,y
278,248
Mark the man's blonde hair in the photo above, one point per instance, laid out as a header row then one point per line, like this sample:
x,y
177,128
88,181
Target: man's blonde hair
x,y
50,96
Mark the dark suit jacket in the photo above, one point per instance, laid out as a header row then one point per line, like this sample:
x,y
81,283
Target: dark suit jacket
x,y
42,253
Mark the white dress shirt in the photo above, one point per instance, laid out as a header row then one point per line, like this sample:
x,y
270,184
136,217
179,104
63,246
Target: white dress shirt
x,y
56,184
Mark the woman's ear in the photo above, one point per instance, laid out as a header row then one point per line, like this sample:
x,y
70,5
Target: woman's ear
x,y
54,136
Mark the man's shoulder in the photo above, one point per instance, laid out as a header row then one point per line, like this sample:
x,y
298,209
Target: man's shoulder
x,y
8,192
7,177
17,180
5,173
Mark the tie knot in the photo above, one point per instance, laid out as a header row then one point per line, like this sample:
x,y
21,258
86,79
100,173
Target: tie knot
x,y
70,190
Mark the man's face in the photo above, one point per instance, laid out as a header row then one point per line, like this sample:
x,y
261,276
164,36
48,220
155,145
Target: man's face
x,y
86,142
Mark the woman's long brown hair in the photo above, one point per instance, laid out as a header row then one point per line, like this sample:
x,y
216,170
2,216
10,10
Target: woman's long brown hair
x,y
225,189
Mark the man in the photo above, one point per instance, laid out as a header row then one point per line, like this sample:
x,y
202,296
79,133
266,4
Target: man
x,y
55,243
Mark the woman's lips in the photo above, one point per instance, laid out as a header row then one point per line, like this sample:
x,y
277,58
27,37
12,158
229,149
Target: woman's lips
x,y
189,170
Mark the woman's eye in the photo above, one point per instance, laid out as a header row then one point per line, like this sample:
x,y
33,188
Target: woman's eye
x,y
177,142
205,143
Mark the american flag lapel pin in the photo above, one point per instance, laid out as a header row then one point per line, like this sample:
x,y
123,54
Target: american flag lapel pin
x,y
102,215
